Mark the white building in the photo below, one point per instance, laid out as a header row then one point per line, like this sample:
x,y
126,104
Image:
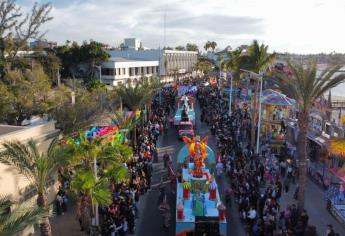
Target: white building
x,y
132,43
171,62
119,70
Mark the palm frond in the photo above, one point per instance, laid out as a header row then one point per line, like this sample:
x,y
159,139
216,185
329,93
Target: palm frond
x,y
118,172
19,218
18,156
305,86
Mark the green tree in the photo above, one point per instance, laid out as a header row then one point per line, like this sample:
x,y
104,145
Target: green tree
x,y
14,219
36,167
89,53
213,45
192,47
51,65
204,65
210,44
89,103
257,60
16,28
69,55
135,97
29,94
90,190
180,48
81,158
306,86
235,63
168,48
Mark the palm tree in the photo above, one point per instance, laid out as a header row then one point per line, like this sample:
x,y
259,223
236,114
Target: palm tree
x,y
234,64
90,191
213,45
257,60
14,220
81,159
36,167
207,45
137,96
306,86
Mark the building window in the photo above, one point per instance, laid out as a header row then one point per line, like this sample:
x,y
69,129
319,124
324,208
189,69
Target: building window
x,y
123,71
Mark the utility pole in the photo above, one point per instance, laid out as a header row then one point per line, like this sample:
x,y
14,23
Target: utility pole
x,y
230,94
96,206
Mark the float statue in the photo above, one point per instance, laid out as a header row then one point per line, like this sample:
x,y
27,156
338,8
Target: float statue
x,y
197,153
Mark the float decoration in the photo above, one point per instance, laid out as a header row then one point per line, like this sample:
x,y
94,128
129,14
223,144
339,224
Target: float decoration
x,y
212,190
186,189
200,211
180,208
221,210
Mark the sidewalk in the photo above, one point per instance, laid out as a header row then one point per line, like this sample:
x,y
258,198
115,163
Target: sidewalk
x,y
315,206
64,225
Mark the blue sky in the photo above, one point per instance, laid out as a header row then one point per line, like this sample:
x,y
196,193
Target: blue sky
x,y
308,26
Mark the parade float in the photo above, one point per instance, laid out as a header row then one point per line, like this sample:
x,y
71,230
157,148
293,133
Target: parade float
x,y
185,128
185,110
199,210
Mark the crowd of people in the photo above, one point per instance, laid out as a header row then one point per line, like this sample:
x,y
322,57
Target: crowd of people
x,y
119,217
256,184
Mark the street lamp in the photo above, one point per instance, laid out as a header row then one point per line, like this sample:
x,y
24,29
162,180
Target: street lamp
x,y
260,77
230,94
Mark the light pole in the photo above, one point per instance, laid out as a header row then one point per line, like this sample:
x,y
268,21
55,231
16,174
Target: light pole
x,y
260,77
96,205
230,94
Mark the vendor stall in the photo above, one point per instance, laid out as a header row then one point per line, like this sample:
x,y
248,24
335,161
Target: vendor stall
x,y
335,194
276,108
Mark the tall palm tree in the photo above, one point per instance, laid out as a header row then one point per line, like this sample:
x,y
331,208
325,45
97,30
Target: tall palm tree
x,y
257,60
90,190
135,97
234,64
306,86
16,219
36,167
81,159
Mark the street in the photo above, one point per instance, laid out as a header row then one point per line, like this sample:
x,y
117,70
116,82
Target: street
x,y
151,222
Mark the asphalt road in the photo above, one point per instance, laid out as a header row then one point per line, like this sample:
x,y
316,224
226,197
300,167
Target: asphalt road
x,y
150,221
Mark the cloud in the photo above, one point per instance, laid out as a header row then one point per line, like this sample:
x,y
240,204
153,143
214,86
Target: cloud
x,y
228,22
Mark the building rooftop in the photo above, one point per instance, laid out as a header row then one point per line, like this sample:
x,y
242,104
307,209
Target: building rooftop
x,y
123,59
6,129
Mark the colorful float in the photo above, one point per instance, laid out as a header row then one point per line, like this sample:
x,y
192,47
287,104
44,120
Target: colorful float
x,y
185,110
185,128
199,210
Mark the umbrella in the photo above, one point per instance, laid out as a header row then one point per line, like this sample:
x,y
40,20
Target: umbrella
x,y
337,147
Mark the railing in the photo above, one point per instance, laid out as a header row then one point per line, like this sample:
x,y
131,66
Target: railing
x,y
338,104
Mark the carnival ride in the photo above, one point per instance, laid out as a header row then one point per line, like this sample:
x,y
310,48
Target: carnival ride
x,y
199,210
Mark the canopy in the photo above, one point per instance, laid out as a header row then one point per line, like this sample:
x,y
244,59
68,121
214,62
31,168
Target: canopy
x,y
272,97
339,173
187,90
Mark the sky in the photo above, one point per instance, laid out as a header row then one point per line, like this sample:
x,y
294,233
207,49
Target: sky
x,y
295,26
